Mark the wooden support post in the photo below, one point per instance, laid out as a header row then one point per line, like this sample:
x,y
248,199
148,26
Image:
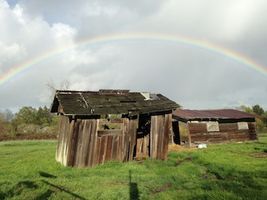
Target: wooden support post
x,y
189,135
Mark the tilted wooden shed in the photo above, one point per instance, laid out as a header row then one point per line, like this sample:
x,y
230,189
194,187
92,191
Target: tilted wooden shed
x,y
98,126
213,126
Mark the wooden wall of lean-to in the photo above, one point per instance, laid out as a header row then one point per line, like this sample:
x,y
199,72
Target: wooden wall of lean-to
x,y
227,132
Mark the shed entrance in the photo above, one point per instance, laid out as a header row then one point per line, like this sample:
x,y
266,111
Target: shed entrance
x,y
142,149
176,132
110,139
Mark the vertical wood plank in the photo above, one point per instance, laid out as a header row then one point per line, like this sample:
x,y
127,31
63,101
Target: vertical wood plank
x,y
189,135
154,136
60,154
89,148
101,147
93,138
97,154
67,143
114,147
146,146
86,141
120,149
79,141
125,139
105,138
151,136
160,127
94,132
66,140
72,142
132,137
167,131
109,148
139,148
160,140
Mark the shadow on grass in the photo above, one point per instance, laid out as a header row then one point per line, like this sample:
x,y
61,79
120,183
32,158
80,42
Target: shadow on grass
x,y
133,188
45,195
232,182
29,186
49,192
46,175
18,189
62,189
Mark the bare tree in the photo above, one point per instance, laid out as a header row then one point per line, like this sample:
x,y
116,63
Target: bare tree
x,y
52,87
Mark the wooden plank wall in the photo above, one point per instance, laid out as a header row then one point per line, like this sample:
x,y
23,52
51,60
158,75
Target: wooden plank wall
x,y
142,147
159,135
228,132
252,131
63,140
133,125
81,144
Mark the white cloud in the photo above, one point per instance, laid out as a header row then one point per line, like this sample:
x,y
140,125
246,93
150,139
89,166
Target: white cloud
x,y
24,38
10,53
3,4
192,76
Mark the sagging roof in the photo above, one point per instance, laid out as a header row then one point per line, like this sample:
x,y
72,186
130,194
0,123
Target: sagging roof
x,y
109,102
207,115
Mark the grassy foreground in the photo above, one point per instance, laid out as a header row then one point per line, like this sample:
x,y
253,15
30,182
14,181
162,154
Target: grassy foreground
x,y
230,171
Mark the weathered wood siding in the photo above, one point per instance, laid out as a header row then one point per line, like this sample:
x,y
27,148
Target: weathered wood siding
x,y
142,147
227,132
82,144
159,135
76,142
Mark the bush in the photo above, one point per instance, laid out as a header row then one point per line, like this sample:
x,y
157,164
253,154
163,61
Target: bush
x,y
260,126
35,129
27,129
5,127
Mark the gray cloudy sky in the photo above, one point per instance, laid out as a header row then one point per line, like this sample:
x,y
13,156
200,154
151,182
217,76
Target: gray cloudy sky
x,y
192,76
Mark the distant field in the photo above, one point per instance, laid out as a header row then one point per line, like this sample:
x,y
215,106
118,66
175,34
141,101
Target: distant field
x,y
229,171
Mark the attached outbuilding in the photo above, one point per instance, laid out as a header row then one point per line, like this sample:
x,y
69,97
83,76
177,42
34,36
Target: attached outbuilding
x,y
98,126
212,126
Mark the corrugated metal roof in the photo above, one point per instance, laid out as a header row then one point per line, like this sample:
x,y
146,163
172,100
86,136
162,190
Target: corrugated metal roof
x,y
211,114
109,102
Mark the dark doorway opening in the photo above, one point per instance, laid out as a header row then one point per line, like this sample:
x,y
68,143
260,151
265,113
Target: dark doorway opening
x,y
142,137
176,132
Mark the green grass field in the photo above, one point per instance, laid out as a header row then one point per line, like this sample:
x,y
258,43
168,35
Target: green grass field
x,y
28,170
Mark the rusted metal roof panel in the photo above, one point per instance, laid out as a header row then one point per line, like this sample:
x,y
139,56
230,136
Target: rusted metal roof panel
x,y
211,114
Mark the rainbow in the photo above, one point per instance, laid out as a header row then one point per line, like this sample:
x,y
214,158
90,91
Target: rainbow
x,y
245,60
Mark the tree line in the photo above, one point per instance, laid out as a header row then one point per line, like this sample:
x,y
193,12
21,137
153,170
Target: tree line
x,y
260,114
28,120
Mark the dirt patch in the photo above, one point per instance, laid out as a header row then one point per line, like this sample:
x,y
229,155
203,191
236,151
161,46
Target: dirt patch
x,y
178,162
28,137
259,155
177,148
161,188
